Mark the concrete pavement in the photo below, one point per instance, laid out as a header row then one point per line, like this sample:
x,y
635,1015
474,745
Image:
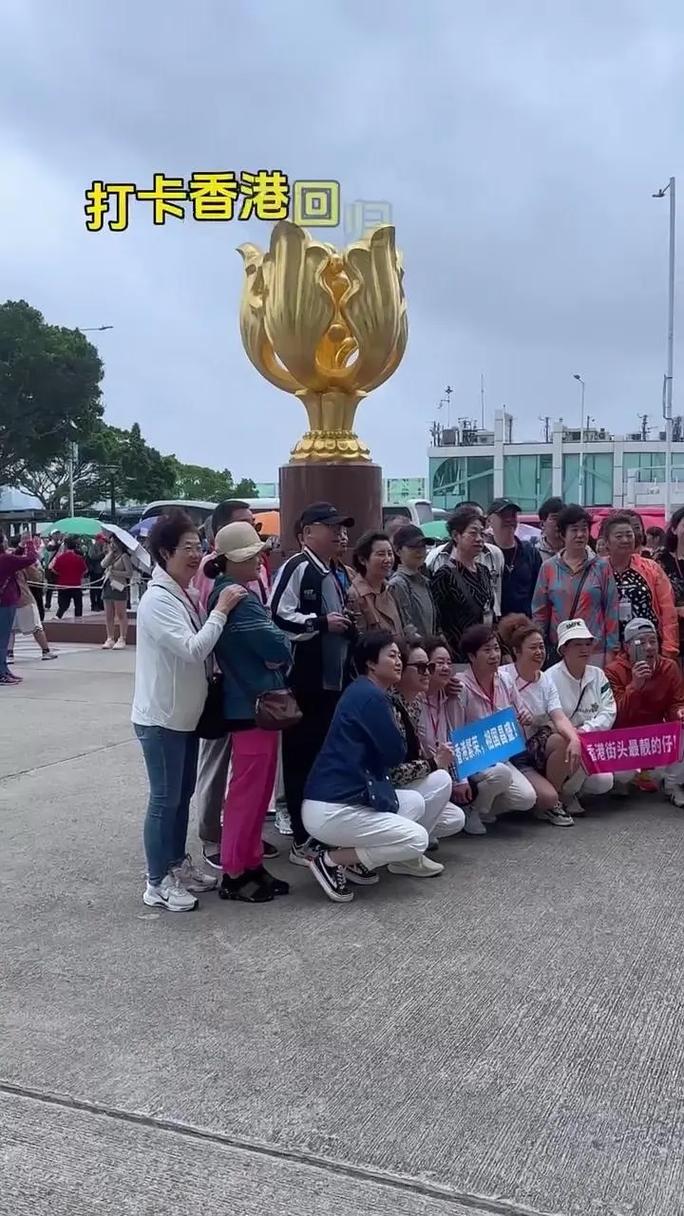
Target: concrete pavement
x,y
505,1038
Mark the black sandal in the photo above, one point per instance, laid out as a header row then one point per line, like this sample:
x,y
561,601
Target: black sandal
x,y
249,888
275,885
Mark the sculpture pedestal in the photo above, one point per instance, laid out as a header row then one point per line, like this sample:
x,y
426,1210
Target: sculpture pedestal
x,y
355,489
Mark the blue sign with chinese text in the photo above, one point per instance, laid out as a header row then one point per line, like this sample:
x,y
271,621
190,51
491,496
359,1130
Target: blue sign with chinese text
x,y
490,741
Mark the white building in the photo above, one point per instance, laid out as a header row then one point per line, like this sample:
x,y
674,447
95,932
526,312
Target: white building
x,y
619,470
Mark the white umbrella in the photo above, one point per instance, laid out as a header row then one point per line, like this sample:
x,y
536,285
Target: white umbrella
x,y
527,532
139,556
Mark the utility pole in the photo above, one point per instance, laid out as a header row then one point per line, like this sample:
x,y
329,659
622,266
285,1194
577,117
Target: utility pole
x,y
644,426
72,459
580,495
71,479
447,393
482,399
667,381
546,419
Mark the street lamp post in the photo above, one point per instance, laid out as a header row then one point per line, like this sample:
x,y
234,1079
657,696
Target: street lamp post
x,y
576,376
72,453
667,382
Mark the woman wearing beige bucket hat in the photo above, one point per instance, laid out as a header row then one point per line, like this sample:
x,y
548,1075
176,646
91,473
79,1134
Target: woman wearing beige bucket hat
x,y
254,657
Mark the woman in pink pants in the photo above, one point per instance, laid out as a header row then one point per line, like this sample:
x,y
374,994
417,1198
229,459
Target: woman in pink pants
x,y
254,657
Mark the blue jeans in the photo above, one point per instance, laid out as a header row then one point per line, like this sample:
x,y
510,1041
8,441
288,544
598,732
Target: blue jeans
x,y
171,762
6,622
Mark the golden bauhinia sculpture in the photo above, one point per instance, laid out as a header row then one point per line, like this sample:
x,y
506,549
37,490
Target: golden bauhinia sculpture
x,y
325,324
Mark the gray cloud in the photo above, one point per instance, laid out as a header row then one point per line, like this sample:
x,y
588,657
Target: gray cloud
x,y
518,145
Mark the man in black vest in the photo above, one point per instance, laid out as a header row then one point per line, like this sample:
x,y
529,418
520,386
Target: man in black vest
x,y
308,604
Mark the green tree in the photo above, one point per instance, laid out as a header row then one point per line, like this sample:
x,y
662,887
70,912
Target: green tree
x,y
112,462
195,481
49,389
139,472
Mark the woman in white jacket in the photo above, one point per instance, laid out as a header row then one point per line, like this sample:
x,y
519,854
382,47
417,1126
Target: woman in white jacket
x,y
587,700
173,644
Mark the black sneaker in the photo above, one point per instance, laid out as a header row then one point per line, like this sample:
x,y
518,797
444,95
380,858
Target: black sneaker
x,y
331,878
212,857
361,875
275,885
269,850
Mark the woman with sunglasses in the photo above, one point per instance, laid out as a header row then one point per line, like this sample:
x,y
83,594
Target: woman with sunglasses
x,y
442,710
430,776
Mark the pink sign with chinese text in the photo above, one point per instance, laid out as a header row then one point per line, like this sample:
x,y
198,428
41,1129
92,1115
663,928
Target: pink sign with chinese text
x,y
615,751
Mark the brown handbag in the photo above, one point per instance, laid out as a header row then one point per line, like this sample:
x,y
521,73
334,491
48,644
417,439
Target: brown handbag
x,y
277,710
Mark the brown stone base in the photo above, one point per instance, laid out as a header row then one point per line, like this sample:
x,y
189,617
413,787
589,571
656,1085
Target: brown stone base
x,y
88,630
356,489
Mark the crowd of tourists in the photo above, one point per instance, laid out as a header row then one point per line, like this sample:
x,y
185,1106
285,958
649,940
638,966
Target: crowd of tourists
x,y
33,571
333,690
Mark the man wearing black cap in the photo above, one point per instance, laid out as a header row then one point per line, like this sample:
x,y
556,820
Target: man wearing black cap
x,y
307,603
522,559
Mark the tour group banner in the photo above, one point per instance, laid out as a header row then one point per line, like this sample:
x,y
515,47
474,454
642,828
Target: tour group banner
x,y
634,747
497,738
490,741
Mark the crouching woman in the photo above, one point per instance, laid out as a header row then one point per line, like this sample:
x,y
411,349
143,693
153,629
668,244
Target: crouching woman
x,y
553,751
502,787
350,804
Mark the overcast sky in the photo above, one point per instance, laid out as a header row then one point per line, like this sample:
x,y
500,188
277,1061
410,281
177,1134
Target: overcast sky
x,y
518,142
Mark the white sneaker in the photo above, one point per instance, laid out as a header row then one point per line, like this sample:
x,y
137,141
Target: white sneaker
x,y
574,807
301,854
119,644
49,654
109,644
418,867
675,793
558,816
169,894
473,824
192,878
282,822
487,817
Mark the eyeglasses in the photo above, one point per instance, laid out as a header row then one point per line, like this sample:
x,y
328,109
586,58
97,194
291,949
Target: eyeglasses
x,y
191,549
422,668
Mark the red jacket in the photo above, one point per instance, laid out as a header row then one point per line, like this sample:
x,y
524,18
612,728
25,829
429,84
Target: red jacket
x,y
657,701
663,602
10,564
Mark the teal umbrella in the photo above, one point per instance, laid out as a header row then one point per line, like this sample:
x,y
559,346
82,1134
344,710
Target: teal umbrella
x,y
75,525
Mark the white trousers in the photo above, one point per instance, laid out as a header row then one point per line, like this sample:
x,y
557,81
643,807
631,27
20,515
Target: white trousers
x,y
670,774
441,816
503,788
378,838
582,782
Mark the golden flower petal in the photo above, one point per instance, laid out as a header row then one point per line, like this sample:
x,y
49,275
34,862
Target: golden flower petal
x,y
298,304
374,308
252,324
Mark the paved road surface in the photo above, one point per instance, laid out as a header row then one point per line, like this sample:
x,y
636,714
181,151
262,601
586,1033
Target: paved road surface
x,y
505,1038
